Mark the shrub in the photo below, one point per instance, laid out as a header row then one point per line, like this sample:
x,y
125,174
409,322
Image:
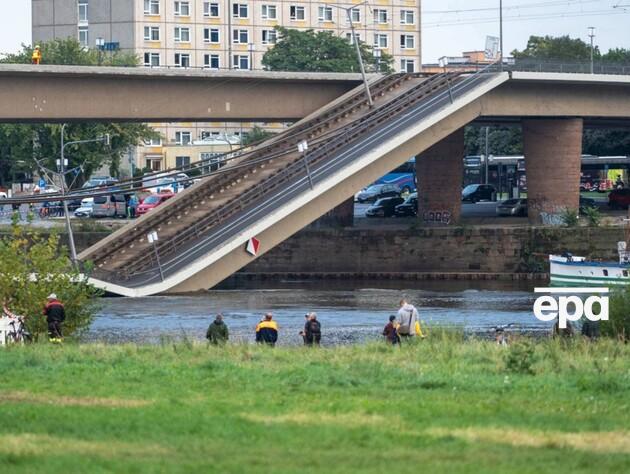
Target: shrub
x,y
569,217
31,267
520,357
618,324
593,216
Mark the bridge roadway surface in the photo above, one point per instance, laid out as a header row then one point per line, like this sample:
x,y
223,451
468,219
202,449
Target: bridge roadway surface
x,y
45,93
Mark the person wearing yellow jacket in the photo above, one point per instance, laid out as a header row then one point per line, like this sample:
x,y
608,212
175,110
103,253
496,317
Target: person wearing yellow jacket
x,y
267,331
36,57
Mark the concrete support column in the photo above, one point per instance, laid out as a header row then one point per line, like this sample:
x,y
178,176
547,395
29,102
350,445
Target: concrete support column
x,y
439,173
553,151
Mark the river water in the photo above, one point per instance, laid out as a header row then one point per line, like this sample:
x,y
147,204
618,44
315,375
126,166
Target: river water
x,y
348,311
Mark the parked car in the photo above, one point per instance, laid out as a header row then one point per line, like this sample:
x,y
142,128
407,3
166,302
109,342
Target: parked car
x,y
384,207
85,208
619,198
586,203
512,207
99,182
110,205
409,207
152,201
479,192
378,191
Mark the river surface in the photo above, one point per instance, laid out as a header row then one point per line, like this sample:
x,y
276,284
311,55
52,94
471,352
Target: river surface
x,y
349,312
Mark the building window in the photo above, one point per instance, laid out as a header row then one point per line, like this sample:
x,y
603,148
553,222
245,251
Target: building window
x,y
211,61
407,65
349,37
154,163
325,13
152,59
407,42
211,9
152,33
269,36
240,61
380,16
182,161
211,35
239,10
355,15
240,36
269,12
380,40
83,11
182,35
151,7
153,141
212,161
182,60
407,17
206,134
182,8
183,138
83,36
296,13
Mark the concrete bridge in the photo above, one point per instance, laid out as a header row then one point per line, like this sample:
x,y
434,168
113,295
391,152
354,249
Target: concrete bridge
x,y
85,93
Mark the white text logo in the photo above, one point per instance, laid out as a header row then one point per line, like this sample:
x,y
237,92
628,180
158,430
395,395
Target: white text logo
x,y
548,308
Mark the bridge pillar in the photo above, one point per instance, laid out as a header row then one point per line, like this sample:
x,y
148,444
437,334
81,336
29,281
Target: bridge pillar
x,y
439,174
340,216
553,153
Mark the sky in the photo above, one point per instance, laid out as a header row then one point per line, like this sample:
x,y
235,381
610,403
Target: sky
x,y
449,27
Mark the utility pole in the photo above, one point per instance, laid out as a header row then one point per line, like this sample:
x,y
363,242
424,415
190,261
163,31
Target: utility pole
x,y
501,34
355,40
591,34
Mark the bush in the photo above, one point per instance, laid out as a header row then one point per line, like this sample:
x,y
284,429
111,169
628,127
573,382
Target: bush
x,y
618,324
31,267
521,357
593,216
569,217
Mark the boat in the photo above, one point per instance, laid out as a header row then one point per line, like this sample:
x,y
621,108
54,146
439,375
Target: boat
x,y
570,270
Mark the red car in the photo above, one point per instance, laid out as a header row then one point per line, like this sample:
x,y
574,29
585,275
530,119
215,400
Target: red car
x,y
619,198
152,201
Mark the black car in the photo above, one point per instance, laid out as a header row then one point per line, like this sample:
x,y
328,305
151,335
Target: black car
x,y
384,207
479,192
409,207
377,191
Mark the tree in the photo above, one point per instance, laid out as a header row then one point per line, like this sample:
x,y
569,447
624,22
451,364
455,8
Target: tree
x,y
502,141
321,51
617,55
21,143
256,134
561,48
606,142
32,266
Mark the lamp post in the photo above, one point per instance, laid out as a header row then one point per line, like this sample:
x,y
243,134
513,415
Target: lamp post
x,y
501,34
100,44
62,175
348,11
591,34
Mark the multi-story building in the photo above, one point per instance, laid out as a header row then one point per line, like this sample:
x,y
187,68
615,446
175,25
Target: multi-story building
x,y
221,34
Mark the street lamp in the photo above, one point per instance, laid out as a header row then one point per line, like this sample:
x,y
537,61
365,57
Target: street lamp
x,y
591,34
62,175
355,40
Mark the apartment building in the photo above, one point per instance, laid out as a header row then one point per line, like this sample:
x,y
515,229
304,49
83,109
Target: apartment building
x,y
221,34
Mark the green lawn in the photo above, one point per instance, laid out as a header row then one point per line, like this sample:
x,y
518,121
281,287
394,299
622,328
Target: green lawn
x,y
441,406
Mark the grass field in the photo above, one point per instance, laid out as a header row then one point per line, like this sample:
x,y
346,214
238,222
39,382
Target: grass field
x,y
443,406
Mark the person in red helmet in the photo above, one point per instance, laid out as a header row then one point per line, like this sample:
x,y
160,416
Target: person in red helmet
x,y
55,316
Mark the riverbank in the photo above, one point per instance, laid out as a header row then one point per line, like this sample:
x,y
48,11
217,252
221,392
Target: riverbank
x,y
442,405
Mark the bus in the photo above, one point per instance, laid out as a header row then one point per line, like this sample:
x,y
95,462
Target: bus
x,y
404,176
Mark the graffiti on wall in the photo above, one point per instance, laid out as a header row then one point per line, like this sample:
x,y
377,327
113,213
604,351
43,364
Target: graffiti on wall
x,y
436,217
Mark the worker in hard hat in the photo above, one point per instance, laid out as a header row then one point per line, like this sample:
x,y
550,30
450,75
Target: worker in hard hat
x,y
37,55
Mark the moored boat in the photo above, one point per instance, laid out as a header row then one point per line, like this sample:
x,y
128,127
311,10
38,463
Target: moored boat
x,y
571,270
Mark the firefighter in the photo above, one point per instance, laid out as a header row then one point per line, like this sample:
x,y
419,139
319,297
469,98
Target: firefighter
x,y
37,55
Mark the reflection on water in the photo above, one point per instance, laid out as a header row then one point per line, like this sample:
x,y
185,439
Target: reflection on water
x,y
348,311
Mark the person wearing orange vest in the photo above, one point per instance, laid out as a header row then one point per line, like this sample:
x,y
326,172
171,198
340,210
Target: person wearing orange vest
x,y
36,58
55,315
